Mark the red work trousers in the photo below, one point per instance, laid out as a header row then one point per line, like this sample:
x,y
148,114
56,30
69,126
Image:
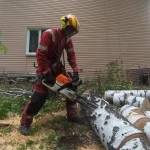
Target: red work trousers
x,y
37,101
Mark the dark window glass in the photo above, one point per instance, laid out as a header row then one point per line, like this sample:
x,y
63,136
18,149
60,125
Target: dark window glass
x,y
43,31
33,43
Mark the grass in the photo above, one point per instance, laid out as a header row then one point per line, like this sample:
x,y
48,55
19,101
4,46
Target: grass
x,y
51,130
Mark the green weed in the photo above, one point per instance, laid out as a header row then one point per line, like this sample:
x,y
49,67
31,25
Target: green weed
x,y
29,143
34,130
3,113
21,147
6,130
52,104
41,146
51,138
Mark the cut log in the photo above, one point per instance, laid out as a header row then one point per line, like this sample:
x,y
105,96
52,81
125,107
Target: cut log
x,y
137,117
108,95
147,114
113,129
121,99
134,145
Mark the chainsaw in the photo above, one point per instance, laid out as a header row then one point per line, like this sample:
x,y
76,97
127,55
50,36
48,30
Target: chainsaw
x,y
63,86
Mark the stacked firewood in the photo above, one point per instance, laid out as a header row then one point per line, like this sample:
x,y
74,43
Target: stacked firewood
x,y
124,127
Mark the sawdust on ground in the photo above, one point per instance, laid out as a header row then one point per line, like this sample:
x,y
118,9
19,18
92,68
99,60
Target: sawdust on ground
x,y
11,140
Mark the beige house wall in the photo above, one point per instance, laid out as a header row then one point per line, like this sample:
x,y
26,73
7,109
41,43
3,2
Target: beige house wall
x,y
109,29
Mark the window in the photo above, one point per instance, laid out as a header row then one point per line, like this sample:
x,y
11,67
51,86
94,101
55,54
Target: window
x,y
33,37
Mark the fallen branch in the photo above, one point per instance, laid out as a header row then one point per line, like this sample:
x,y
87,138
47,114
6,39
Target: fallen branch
x,y
16,92
4,124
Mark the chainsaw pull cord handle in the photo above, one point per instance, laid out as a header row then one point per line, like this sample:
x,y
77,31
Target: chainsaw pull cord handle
x,y
65,85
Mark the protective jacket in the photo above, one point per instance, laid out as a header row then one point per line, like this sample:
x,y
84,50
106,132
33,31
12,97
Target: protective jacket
x,y
50,48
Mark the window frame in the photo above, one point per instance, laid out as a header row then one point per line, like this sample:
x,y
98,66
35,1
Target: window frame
x,y
28,40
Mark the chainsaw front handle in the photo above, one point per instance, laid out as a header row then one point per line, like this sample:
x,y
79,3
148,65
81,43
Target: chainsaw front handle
x,y
63,86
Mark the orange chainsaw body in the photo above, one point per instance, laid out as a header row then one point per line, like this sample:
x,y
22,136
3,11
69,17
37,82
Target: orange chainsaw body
x,y
60,81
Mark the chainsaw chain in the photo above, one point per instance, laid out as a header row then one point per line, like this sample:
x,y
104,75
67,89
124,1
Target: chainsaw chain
x,y
86,103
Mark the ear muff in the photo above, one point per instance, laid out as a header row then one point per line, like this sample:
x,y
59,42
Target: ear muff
x,y
63,24
66,19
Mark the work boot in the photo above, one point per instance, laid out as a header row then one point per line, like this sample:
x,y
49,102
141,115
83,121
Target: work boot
x,y
24,129
78,120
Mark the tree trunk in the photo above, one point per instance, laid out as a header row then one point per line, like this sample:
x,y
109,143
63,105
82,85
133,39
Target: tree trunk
x,y
108,95
113,129
120,99
147,114
137,117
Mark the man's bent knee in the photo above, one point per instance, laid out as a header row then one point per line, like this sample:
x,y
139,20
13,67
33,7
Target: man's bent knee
x,y
37,101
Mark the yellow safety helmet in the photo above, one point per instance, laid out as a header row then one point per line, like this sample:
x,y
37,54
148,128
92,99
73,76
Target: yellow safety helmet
x,y
70,22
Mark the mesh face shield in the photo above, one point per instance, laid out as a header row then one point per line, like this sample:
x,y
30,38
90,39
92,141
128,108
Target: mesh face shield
x,y
69,31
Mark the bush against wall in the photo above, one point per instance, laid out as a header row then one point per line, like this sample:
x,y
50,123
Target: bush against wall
x,y
2,47
114,79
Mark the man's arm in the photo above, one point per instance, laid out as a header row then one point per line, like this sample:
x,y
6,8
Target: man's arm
x,y
71,56
42,52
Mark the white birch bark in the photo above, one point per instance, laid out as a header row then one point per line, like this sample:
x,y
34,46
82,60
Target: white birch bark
x,y
147,114
137,117
113,129
121,99
134,145
108,95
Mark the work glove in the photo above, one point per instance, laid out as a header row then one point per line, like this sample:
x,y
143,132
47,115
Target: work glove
x,y
49,77
75,76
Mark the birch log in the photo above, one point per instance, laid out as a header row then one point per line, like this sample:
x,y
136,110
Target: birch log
x,y
108,95
147,114
137,117
115,132
120,99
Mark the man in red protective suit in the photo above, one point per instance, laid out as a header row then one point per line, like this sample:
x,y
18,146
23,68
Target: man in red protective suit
x,y
52,43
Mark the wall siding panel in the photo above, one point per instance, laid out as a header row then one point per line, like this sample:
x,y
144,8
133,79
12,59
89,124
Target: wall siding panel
x,y
109,29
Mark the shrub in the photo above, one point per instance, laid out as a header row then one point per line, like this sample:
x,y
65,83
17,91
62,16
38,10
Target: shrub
x,y
3,47
114,79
